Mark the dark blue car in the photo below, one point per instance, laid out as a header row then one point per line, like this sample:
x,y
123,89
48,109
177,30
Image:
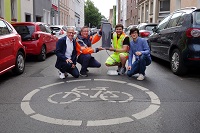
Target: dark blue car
x,y
177,39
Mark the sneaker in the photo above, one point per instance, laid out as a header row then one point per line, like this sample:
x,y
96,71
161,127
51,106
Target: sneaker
x,y
122,70
61,75
83,74
140,77
66,74
119,67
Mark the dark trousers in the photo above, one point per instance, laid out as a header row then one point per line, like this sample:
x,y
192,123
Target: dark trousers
x,y
139,66
67,67
86,60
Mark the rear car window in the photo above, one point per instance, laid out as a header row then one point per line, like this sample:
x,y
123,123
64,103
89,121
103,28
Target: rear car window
x,y
149,27
197,17
25,31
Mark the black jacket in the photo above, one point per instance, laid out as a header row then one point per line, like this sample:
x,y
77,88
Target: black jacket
x,y
60,52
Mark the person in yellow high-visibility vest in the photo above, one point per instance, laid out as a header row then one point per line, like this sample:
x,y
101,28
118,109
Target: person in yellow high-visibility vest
x,y
121,43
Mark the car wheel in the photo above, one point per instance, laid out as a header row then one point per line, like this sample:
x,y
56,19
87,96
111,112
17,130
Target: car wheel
x,y
42,55
176,63
19,64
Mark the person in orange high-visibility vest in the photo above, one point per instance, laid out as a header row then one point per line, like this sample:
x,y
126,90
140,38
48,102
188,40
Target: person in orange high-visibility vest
x,y
121,43
84,50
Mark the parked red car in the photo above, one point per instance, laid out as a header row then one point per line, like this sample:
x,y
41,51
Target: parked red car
x,y
12,52
37,38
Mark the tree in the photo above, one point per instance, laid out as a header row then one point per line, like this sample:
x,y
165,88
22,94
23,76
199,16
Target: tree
x,y
92,14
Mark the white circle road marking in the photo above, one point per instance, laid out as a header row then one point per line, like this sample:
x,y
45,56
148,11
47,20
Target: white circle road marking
x,y
154,106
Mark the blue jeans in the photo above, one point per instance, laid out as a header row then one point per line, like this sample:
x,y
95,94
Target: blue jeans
x,y
139,66
86,60
67,67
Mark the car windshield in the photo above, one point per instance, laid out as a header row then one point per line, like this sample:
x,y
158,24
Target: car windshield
x,y
55,29
25,31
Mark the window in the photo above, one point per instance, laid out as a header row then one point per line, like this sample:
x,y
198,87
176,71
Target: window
x,y
197,17
3,28
42,28
25,31
163,23
13,9
164,5
174,20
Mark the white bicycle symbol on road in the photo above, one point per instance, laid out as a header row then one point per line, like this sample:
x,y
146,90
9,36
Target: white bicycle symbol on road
x,y
101,92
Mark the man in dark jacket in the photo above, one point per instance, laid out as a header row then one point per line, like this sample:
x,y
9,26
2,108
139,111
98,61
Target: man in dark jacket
x,y
67,55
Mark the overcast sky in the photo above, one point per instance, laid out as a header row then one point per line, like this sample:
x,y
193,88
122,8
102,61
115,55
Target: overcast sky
x,y
104,6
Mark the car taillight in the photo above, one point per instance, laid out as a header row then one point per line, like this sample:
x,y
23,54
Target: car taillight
x,y
35,36
193,32
144,34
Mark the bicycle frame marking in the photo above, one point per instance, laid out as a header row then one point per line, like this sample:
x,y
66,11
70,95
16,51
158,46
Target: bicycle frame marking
x,y
102,93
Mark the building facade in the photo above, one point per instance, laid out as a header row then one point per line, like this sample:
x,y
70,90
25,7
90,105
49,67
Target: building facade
x,y
64,12
153,11
54,12
71,16
132,12
79,13
42,11
26,10
110,19
124,12
10,10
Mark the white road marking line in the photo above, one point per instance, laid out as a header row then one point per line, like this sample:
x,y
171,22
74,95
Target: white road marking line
x,y
117,81
78,80
109,121
30,94
154,98
46,86
150,110
56,121
137,86
25,106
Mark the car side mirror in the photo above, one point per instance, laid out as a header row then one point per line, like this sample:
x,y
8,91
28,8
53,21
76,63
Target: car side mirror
x,y
53,32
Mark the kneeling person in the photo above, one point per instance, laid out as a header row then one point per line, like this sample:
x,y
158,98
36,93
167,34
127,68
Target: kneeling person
x,y
67,55
120,47
141,50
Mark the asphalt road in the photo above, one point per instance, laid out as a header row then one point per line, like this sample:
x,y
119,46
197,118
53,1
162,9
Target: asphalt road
x,y
39,102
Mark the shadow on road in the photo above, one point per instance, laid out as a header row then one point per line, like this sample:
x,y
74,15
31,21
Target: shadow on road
x,y
193,72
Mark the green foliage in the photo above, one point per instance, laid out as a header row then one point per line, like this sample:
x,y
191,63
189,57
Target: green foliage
x,y
92,15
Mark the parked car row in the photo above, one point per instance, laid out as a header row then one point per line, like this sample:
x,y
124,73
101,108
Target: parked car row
x,y
19,39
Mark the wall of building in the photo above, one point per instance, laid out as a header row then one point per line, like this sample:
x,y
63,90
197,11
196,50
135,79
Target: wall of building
x,y
71,13
177,4
26,9
64,12
42,9
6,13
